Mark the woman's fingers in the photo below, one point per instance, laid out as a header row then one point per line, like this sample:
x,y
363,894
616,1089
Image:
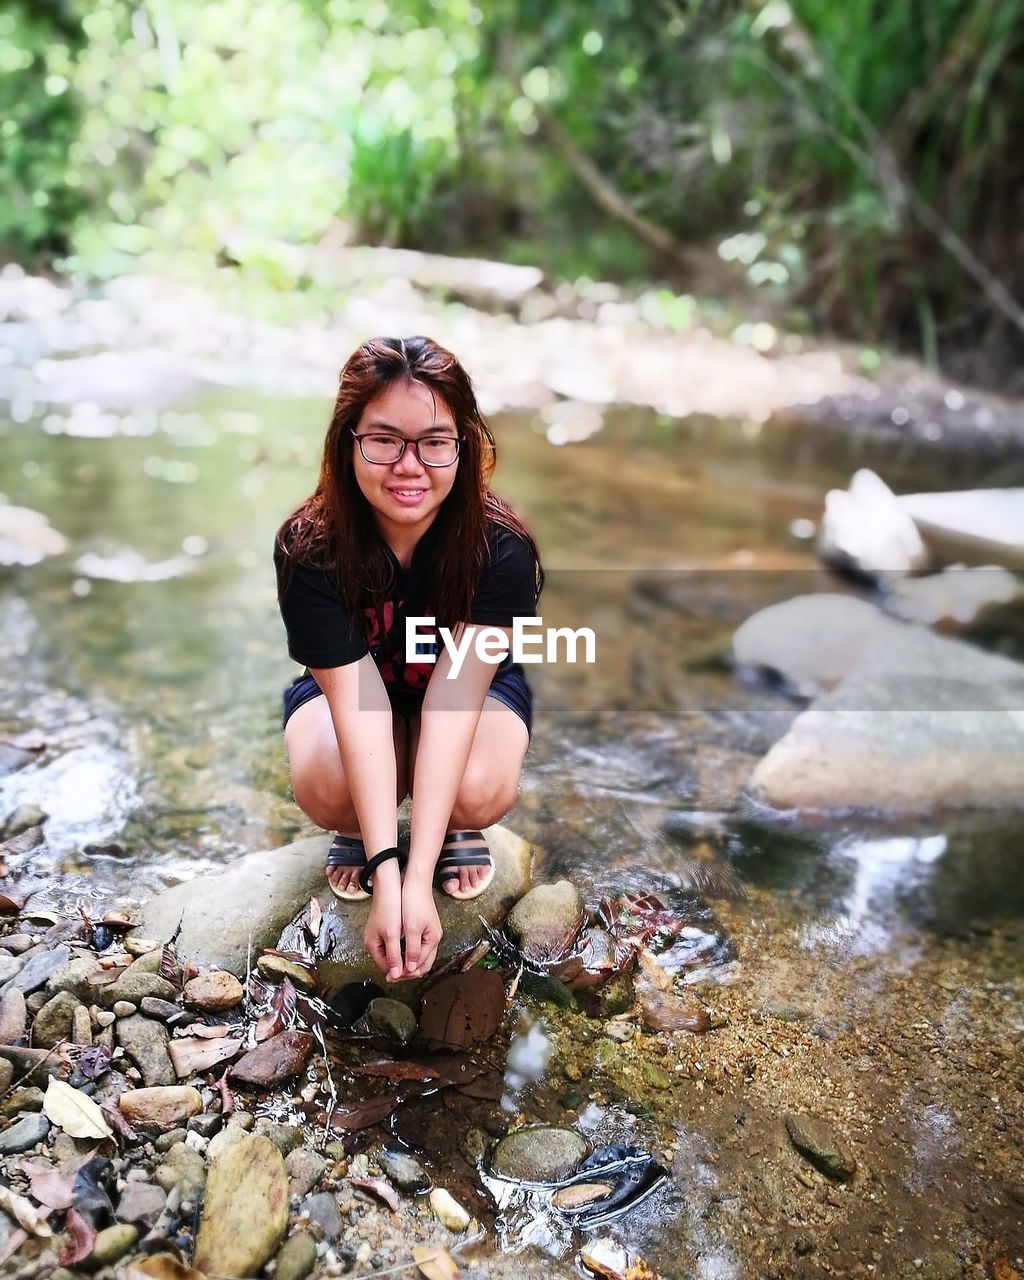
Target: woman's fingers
x,y
393,954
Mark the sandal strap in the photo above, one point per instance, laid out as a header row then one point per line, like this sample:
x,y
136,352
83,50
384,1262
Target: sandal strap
x,y
346,852
457,837
377,860
452,860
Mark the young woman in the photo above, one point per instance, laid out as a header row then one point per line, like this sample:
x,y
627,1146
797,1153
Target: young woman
x,y
403,524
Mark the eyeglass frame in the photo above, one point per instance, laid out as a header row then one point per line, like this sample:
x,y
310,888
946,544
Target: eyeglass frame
x,y
406,442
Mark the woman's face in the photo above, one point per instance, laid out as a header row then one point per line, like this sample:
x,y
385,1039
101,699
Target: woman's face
x,y
405,495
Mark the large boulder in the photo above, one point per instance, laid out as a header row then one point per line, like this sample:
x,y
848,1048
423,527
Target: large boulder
x,y
955,597
922,723
258,895
809,643
348,960
254,897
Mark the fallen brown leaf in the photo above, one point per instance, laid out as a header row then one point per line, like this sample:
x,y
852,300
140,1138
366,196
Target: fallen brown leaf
x,y
435,1263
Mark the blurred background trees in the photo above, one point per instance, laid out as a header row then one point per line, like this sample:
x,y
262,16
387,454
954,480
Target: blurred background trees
x,y
853,164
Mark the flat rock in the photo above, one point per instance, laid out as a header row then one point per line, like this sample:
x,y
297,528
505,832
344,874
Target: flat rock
x,y
275,968
348,960
540,921
923,723
38,969
953,598
263,891
276,1059
538,1153
986,523
13,1016
55,1020
133,986
215,991
286,1137
245,1209
160,1107
141,1202
815,1140
809,643
24,1134
145,1040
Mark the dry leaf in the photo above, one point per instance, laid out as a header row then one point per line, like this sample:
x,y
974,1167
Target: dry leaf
x,y
82,1237
201,1053
25,1212
435,1263
74,1112
382,1190
50,1187
463,1009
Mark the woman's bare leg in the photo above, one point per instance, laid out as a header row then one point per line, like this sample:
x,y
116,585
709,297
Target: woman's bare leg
x,y
490,783
318,780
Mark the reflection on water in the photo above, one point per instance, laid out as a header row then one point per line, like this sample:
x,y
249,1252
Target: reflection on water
x,y
883,870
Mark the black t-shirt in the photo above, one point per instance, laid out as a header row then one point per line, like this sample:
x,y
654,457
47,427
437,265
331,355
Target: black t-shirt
x,y
322,632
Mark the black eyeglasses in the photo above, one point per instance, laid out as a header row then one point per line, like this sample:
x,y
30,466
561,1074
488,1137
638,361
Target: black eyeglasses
x,y
386,449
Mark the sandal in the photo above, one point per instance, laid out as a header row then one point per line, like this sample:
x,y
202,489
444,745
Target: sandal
x,y
345,851
452,860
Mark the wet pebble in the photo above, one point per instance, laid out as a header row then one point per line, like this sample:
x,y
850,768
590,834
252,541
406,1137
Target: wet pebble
x,y
389,1018
24,1134
145,1042
286,1137
403,1172
160,1107
816,1142
276,1059
275,968
112,1243
322,1212
9,966
183,1168
538,1153
164,1010
448,1211
124,1008
19,942
23,819
214,992
296,1257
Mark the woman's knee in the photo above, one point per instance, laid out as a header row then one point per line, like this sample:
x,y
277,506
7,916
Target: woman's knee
x,y
483,799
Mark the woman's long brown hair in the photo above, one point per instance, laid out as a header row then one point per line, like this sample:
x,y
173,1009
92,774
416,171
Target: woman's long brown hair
x,y
334,528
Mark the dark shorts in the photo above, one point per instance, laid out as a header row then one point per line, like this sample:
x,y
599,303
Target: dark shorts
x,y
509,687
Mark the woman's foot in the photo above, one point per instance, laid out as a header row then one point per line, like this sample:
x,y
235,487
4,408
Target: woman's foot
x,y
345,860
464,868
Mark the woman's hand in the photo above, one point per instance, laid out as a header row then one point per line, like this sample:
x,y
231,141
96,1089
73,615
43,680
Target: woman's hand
x,y
383,934
420,924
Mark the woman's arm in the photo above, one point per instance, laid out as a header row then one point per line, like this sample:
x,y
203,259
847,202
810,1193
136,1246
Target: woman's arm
x,y
448,723
362,717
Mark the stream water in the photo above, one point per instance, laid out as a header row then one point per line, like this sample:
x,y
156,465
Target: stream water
x,y
151,658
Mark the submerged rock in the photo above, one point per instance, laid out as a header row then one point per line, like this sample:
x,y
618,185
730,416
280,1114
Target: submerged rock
x,y
389,1018
448,1211
922,723
276,1059
296,1257
403,1172
815,1140
162,1106
542,919
145,1042
539,1153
